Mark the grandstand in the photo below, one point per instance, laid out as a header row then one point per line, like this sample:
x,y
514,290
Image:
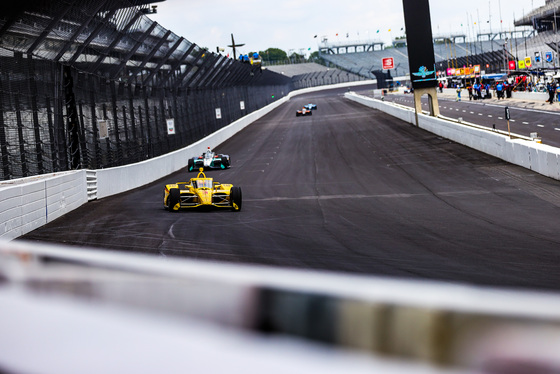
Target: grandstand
x,y
311,74
448,54
536,34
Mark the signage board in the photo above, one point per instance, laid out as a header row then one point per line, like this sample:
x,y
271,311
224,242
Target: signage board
x,y
103,128
170,126
388,63
421,60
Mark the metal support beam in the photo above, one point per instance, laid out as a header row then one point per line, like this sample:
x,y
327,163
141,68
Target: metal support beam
x,y
4,153
174,66
72,119
49,27
150,55
133,50
221,75
35,114
199,74
114,43
79,31
215,69
13,11
92,36
165,59
182,76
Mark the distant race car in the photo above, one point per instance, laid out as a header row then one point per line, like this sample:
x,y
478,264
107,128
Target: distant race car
x,y
310,106
304,112
201,192
209,160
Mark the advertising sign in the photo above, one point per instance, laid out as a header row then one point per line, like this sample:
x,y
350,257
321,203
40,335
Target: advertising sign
x,y
218,113
521,64
548,56
528,62
103,128
512,65
421,60
388,63
170,126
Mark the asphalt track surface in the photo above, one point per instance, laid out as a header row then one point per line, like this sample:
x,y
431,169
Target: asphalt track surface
x,y
348,189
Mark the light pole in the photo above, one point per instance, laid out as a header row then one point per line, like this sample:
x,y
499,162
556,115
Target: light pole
x,y
505,55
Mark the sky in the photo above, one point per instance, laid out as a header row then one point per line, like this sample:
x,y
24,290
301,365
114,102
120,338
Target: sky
x,y
292,25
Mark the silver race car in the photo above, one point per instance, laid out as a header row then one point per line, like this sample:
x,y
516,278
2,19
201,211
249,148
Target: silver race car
x,y
209,160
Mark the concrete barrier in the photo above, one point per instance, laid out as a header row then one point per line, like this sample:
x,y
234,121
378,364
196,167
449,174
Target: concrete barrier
x,y
29,203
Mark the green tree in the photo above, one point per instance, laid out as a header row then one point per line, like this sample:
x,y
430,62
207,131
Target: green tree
x,y
296,57
274,54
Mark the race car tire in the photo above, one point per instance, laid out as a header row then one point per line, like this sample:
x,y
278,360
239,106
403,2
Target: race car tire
x,y
224,161
236,198
173,198
190,165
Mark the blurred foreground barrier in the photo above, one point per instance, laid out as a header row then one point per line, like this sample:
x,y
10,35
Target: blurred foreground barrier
x,y
66,302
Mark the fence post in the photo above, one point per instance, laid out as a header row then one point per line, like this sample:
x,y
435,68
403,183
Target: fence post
x,y
3,142
21,138
35,109
71,118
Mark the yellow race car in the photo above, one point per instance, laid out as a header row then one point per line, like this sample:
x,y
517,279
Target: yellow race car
x,y
201,192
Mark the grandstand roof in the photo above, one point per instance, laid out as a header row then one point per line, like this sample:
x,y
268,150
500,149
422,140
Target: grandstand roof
x,y
549,10
114,39
297,69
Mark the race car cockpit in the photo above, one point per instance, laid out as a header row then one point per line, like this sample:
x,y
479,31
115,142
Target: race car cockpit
x,y
203,183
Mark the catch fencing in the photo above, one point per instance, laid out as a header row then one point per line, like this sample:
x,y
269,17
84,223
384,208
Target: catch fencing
x,y
96,84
